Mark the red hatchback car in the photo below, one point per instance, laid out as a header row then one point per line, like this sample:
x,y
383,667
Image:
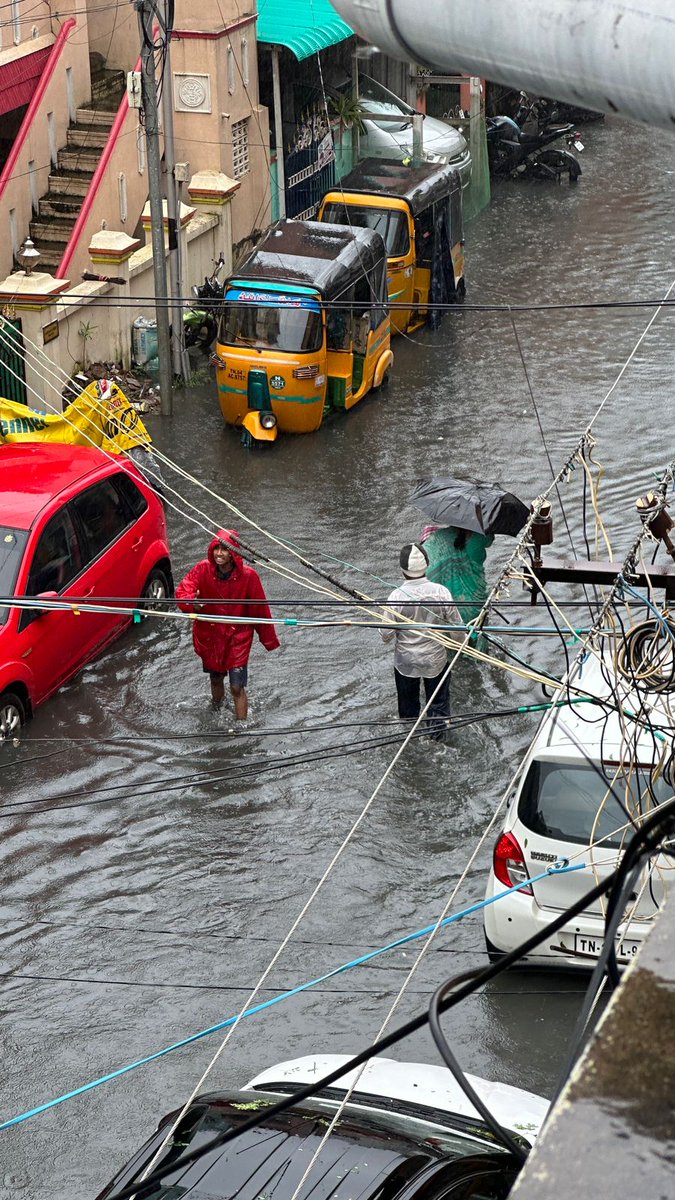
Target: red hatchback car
x,y
73,522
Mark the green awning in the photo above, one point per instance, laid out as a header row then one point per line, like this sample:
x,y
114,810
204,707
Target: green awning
x,y
303,26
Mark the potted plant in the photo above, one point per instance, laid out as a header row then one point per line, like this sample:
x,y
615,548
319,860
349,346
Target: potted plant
x,y
348,113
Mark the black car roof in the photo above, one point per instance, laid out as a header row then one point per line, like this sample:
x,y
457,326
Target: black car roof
x,y
418,186
314,254
365,1151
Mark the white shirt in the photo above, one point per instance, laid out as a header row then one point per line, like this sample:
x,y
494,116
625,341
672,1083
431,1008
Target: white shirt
x,y
417,655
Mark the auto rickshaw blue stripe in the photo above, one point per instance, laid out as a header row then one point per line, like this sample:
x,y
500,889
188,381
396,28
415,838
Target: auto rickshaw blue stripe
x,y
267,286
223,387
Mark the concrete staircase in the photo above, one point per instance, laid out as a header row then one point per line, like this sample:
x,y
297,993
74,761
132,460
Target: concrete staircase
x,y
76,162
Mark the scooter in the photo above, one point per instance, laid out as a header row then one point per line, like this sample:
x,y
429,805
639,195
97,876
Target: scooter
x,y
514,153
200,323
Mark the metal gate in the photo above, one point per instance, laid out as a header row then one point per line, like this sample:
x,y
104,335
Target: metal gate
x,y
310,166
12,361
308,180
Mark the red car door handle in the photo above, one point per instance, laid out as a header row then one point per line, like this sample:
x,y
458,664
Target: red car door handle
x,y
135,545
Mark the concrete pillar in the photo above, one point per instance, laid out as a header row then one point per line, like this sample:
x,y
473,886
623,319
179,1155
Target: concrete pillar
x,y
184,217
33,299
212,191
110,253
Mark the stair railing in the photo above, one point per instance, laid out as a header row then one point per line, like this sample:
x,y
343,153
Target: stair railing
x,y
35,102
99,173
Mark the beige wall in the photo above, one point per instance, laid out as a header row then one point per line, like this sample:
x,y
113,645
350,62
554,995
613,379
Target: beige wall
x,y
211,17
111,324
203,136
114,33
226,69
34,23
16,201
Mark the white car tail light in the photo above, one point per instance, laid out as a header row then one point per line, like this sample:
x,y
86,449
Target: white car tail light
x,y
509,863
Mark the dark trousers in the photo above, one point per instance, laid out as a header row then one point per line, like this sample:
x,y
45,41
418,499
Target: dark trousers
x,y
408,691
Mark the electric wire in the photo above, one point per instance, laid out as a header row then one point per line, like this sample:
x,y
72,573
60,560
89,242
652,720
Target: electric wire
x,y
605,399
502,1135
274,565
455,993
278,998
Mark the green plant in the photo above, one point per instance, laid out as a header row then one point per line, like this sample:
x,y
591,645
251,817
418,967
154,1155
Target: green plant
x,y
348,112
86,331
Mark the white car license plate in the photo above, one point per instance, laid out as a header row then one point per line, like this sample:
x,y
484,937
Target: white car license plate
x,y
584,945
578,145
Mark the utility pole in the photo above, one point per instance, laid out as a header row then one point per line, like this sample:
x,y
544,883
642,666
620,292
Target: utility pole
x,y
417,139
278,132
146,14
181,358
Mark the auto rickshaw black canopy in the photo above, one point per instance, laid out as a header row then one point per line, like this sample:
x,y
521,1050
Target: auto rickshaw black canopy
x,y
419,187
330,258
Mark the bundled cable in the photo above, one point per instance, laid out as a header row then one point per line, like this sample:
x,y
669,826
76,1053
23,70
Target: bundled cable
x,y
646,655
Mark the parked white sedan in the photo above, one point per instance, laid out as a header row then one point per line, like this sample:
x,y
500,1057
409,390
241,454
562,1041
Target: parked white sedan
x,y
585,781
388,139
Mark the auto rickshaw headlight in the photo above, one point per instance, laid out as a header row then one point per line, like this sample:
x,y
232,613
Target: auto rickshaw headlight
x,y
268,420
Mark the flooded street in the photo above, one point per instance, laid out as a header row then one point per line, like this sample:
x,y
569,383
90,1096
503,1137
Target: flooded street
x,y
141,906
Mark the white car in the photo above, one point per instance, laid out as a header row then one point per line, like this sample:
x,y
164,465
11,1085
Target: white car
x,y
429,1093
386,139
406,1133
562,810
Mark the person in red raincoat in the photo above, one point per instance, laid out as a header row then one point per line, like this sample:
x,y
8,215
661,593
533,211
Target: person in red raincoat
x,y
224,649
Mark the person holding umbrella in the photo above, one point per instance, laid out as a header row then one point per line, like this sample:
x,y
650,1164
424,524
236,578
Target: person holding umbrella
x,y
466,517
457,560
419,658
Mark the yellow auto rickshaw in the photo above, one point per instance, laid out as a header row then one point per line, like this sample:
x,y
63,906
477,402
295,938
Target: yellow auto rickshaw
x,y
304,328
418,212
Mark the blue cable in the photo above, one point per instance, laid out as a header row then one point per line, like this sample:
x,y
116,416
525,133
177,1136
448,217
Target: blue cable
x,y
560,868
652,607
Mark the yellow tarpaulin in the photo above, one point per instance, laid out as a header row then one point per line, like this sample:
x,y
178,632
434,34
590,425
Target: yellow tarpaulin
x,y
100,416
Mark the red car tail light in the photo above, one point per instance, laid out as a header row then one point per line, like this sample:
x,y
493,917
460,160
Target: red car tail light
x,y
306,372
509,863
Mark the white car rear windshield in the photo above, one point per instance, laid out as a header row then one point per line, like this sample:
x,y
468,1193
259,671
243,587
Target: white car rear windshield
x,y
573,803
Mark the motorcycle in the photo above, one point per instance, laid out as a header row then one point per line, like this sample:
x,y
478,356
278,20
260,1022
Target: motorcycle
x,y
514,152
539,112
200,322
558,110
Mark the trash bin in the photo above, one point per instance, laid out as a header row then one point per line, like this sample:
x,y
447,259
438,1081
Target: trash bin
x,y
143,341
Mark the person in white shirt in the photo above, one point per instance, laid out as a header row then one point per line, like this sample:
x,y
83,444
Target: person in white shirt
x,y
419,658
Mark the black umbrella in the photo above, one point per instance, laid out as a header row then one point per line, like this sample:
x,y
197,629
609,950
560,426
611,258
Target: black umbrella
x,y
480,507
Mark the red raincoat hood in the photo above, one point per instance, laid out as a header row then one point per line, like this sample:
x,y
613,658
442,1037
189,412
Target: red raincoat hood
x,y
231,540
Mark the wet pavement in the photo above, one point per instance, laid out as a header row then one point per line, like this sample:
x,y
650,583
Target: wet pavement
x,y
137,915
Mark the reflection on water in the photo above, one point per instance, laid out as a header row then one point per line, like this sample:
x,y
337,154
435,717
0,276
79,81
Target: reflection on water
x,y
185,888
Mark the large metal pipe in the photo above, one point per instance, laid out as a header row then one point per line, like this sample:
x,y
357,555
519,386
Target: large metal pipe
x,y
611,55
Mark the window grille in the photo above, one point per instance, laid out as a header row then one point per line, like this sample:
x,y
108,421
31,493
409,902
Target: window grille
x,y
240,158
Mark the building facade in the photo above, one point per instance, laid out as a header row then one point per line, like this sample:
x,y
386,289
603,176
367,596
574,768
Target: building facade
x,y
72,153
